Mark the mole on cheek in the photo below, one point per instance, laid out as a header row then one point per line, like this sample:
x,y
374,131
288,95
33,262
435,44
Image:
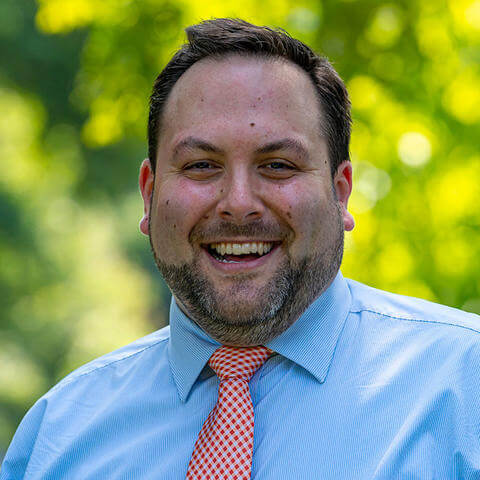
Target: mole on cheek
x,y
252,124
174,225
167,202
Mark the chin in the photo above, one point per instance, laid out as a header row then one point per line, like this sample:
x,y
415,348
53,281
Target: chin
x,y
241,315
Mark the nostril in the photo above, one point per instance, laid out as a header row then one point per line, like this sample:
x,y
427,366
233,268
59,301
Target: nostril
x,y
226,213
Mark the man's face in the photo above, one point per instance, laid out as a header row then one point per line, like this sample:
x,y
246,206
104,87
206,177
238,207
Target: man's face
x,y
244,222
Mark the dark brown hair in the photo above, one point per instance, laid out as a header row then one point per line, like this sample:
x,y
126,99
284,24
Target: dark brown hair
x,y
221,37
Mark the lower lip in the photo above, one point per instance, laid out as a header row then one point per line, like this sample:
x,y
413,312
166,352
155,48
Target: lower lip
x,y
243,266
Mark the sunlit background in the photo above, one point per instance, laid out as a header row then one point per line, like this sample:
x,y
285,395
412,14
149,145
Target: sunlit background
x,y
76,276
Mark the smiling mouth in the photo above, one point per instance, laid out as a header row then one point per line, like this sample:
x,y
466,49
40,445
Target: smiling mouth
x,y
232,252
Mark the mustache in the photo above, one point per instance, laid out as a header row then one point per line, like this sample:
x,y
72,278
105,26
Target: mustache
x,y
254,229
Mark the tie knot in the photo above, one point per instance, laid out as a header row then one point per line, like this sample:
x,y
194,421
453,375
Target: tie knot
x,y
238,362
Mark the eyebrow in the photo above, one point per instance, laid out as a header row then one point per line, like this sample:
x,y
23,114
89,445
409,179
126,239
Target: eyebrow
x,y
284,144
192,143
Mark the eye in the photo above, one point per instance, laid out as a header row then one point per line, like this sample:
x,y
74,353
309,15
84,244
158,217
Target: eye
x,y
203,165
278,169
201,169
279,165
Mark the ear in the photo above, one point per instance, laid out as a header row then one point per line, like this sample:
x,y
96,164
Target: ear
x,y
146,181
342,183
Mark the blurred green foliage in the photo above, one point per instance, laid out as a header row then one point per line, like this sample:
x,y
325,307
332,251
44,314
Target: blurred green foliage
x,y
76,277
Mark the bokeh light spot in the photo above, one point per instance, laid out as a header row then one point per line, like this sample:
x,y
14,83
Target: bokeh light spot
x,y
304,20
395,261
386,26
472,15
462,97
414,149
364,92
453,194
372,182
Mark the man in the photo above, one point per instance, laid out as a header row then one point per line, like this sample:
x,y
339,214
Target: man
x,y
274,366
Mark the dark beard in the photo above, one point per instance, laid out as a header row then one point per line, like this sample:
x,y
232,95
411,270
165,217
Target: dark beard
x,y
292,289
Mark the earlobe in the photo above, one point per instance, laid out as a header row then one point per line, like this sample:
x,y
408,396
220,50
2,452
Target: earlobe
x,y
146,181
343,189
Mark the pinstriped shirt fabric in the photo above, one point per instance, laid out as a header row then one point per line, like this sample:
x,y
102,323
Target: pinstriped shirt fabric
x,y
365,385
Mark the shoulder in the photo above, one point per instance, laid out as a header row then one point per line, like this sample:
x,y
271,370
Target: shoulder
x,y
394,307
124,357
84,399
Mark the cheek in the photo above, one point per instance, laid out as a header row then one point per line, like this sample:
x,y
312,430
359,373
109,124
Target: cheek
x,y
307,209
307,218
167,215
302,206
178,207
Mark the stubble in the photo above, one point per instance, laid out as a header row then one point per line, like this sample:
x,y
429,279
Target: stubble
x,y
279,303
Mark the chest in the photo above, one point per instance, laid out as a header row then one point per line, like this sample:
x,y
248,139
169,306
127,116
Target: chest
x,y
302,430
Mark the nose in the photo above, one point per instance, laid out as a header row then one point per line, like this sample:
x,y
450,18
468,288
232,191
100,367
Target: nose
x,y
239,201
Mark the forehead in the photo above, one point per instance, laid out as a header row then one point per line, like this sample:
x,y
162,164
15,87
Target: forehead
x,y
223,92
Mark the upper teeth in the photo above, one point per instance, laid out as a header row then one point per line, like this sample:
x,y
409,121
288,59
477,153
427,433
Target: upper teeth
x,y
242,248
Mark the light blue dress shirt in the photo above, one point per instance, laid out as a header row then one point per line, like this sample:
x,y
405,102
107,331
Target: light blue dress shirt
x,y
365,385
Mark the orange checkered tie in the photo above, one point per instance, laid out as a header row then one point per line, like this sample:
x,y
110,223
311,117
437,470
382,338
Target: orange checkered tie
x,y
224,446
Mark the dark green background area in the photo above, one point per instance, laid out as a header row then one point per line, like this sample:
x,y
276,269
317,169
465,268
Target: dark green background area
x,y
76,276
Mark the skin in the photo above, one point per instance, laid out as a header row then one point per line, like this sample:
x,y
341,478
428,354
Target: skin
x,y
216,180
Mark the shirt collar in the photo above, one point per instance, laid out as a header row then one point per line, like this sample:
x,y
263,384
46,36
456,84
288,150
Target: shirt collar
x,y
310,342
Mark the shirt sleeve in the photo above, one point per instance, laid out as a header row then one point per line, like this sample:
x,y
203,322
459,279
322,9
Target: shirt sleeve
x,y
18,455
467,459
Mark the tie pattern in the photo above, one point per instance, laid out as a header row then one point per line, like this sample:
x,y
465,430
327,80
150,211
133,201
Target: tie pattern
x,y
224,446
